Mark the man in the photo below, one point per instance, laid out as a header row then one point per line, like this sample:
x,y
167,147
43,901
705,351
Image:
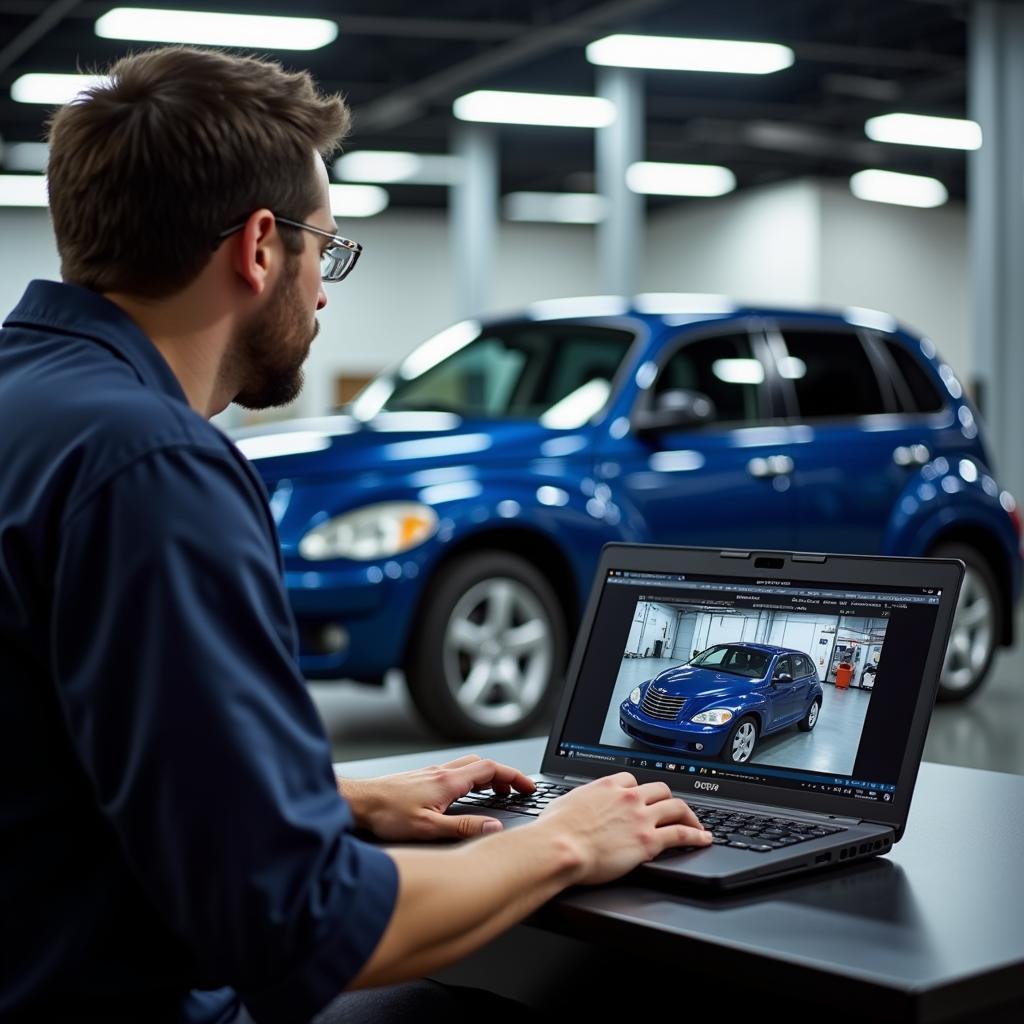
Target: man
x,y
172,843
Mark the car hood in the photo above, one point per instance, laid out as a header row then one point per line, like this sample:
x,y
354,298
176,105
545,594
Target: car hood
x,y
689,682
396,443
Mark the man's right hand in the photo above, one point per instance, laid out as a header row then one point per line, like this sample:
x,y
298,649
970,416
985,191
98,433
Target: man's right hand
x,y
453,900
616,824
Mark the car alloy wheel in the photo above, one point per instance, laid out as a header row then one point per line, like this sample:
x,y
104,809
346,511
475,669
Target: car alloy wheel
x,y
741,743
976,625
489,647
498,652
810,719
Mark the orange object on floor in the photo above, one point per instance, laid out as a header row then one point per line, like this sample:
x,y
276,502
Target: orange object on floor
x,y
843,675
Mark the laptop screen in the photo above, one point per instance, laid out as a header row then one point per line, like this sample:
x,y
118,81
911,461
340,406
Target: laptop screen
x,y
782,683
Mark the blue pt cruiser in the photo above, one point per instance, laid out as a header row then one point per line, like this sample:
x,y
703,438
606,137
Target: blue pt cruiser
x,y
724,701
449,521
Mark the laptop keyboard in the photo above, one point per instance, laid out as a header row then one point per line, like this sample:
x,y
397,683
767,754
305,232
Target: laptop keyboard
x,y
742,830
761,833
525,803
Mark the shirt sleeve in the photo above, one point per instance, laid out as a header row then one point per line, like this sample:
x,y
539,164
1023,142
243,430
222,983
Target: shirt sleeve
x,y
173,653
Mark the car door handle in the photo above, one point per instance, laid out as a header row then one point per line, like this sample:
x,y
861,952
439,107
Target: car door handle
x,y
772,466
912,455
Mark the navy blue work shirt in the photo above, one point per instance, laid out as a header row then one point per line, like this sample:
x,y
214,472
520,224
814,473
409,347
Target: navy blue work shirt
x,y
171,838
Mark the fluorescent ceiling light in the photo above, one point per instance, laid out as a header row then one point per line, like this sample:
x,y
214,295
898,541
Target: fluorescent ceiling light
x,y
54,90
357,200
386,166
212,29
901,189
25,156
561,207
23,190
667,53
534,108
920,130
679,179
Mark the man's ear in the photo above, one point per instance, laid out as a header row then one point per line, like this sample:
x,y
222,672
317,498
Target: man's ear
x,y
255,251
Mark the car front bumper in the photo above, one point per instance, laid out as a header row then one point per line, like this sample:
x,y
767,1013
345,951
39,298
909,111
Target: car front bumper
x,y
682,737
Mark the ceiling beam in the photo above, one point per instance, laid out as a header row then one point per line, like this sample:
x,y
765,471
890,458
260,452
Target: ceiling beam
x,y
34,31
407,102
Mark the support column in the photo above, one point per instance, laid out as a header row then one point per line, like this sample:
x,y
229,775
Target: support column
x,y
473,218
996,228
620,234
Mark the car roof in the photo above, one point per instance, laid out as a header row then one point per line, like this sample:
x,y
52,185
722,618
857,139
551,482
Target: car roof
x,y
765,648
681,308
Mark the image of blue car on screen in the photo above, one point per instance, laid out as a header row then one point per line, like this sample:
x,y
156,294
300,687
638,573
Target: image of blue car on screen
x,y
771,686
718,704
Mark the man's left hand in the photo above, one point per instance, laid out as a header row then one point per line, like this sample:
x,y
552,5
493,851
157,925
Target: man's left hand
x,y
411,805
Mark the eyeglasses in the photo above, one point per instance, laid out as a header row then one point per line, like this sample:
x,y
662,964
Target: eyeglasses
x,y
336,261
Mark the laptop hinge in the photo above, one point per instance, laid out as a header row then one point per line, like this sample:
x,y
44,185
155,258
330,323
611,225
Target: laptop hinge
x,y
577,778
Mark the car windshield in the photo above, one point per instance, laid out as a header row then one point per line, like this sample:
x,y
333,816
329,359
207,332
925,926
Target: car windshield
x,y
738,660
558,374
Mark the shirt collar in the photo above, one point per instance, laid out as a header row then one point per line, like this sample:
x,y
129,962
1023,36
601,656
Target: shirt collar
x,y
70,309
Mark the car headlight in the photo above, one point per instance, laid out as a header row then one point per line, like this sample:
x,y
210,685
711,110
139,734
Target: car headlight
x,y
714,716
634,697
371,532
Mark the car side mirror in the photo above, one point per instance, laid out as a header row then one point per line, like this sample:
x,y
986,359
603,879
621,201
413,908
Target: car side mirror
x,y
785,677
674,410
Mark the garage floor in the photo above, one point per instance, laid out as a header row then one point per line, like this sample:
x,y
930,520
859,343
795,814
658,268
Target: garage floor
x,y
985,732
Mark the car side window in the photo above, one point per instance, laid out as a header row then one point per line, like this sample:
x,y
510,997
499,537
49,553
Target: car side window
x,y
724,368
784,666
805,667
524,370
926,395
831,373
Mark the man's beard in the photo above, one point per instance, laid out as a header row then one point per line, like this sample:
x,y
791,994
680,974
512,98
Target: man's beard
x,y
266,355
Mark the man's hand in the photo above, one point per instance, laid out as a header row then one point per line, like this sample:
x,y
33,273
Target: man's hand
x,y
411,805
614,824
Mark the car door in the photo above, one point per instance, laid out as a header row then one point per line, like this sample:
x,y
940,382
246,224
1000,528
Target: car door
x,y
859,446
804,677
715,483
783,695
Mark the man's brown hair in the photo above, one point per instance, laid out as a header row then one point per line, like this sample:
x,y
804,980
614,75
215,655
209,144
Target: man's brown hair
x,y
147,168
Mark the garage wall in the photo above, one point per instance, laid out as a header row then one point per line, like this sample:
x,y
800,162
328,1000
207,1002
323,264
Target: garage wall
x,y
651,623
401,293
911,263
809,242
758,246
796,242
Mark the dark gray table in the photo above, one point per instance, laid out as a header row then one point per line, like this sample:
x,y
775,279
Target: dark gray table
x,y
932,932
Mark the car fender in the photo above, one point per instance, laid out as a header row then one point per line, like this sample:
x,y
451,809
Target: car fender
x,y
944,495
506,514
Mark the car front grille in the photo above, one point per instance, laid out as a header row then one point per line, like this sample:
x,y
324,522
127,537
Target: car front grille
x,y
661,705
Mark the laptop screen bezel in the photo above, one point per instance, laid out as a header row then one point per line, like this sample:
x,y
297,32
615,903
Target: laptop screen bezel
x,y
913,573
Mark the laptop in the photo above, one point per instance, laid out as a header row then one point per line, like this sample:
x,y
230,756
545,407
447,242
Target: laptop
x,y
784,695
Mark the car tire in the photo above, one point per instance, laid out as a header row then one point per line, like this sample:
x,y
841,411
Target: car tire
x,y
977,625
810,720
742,740
489,650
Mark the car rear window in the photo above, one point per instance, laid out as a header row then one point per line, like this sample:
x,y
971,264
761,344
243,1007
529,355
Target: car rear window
x,y
926,396
831,374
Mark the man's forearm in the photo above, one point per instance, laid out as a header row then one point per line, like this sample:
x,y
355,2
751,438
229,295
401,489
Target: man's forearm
x,y
451,902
